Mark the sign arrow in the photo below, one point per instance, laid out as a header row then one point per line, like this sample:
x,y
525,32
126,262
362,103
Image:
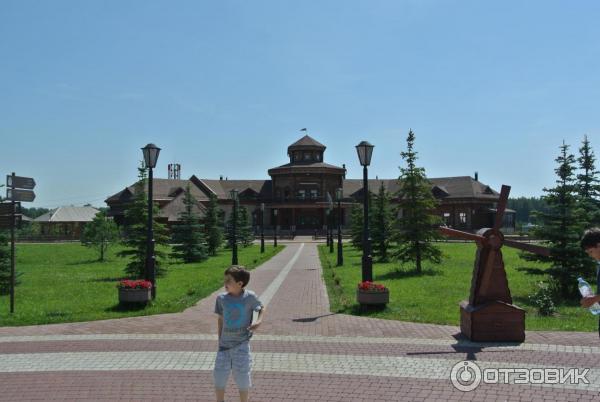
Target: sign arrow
x,y
20,182
20,195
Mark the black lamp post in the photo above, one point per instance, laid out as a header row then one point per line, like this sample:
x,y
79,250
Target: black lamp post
x,y
340,256
275,232
365,150
234,257
262,227
150,152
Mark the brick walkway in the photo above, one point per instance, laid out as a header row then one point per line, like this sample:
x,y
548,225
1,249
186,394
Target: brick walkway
x,y
301,353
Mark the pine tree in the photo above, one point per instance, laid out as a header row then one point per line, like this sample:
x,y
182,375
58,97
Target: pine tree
x,y
416,224
188,234
100,234
588,184
135,239
213,225
356,225
243,228
381,228
245,235
561,227
356,222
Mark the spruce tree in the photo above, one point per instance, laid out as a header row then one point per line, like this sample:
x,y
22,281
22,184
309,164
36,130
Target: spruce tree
x,y
188,235
381,228
588,184
245,235
100,234
416,227
561,227
356,225
213,225
136,231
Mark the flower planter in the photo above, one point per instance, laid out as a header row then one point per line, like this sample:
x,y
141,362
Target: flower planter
x,y
134,295
372,298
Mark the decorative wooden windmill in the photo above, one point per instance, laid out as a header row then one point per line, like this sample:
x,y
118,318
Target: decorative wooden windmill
x,y
489,314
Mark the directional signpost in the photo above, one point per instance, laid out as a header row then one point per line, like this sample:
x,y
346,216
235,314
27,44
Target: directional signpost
x,y
20,195
18,189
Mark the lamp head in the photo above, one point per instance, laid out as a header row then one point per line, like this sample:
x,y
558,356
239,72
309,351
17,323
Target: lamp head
x,y
364,150
151,152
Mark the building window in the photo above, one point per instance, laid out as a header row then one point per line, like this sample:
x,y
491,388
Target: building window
x,y
301,194
307,156
446,218
318,157
314,193
462,218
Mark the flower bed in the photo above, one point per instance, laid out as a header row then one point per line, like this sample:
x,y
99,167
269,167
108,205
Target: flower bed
x,y
369,293
134,291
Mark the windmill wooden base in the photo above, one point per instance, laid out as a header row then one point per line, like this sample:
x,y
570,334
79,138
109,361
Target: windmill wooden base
x,y
494,321
489,314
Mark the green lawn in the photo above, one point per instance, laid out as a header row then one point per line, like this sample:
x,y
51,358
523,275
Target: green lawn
x,y
65,283
433,297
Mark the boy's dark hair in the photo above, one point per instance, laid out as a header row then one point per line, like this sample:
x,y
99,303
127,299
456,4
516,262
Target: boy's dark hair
x,y
239,273
590,238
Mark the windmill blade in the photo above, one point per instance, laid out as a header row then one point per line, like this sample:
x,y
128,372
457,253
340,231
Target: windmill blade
x,y
532,248
459,234
504,192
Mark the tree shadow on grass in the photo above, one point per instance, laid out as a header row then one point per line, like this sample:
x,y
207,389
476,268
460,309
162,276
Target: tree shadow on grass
x,y
122,307
399,274
107,279
531,271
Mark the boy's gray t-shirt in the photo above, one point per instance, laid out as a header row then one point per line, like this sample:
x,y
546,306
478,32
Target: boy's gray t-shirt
x,y
237,316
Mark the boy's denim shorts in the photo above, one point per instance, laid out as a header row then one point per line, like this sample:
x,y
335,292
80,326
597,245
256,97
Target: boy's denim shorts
x,y
236,359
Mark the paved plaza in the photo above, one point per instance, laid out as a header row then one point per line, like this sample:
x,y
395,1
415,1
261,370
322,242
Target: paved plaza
x,y
302,352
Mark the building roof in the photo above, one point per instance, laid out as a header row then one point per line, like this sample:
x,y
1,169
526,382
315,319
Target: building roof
x,y
306,142
455,187
172,210
69,214
221,188
163,189
291,167
171,191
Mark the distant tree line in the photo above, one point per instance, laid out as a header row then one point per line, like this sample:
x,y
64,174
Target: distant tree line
x,y
525,206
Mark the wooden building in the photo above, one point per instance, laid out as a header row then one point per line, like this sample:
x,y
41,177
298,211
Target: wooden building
x,y
297,196
65,223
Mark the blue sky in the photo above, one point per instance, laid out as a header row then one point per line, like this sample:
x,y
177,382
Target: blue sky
x,y
223,87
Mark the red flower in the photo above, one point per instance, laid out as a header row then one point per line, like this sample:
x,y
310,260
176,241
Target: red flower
x,y
369,286
137,284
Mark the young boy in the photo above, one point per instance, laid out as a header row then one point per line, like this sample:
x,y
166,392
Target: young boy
x,y
235,308
590,242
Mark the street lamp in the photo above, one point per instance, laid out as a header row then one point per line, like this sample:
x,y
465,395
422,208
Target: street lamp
x,y
150,152
340,256
275,233
234,257
365,150
262,227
